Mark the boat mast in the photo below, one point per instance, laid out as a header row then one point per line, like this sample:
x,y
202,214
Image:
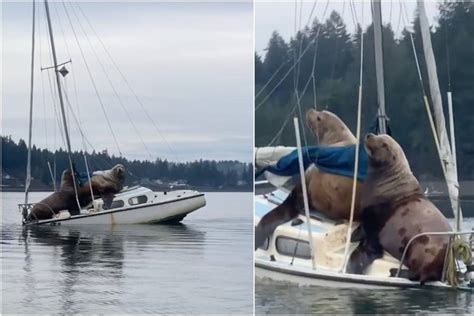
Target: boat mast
x,y
28,162
61,101
377,17
446,155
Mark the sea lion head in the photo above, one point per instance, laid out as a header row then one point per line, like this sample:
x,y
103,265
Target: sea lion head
x,y
384,151
328,128
389,176
66,180
119,171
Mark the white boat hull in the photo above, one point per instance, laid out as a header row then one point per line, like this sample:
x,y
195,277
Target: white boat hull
x,y
305,276
171,207
286,255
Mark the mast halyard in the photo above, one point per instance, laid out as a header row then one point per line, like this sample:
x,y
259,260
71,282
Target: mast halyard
x,y
28,163
377,17
61,101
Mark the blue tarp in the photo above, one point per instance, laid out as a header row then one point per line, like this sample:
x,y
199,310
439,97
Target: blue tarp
x,y
336,160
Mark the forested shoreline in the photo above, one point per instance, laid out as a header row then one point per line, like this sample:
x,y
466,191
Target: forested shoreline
x,y
337,77
210,174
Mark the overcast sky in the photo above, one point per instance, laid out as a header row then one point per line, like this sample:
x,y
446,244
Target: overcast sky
x,y
280,15
190,63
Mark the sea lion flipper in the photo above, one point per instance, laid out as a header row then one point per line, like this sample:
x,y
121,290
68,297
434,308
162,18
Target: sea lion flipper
x,y
270,222
283,213
108,198
358,234
363,256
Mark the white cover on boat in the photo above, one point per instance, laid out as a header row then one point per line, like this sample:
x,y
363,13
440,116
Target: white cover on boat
x,y
269,156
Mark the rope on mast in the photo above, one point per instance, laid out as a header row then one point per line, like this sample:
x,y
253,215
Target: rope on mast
x,y
356,164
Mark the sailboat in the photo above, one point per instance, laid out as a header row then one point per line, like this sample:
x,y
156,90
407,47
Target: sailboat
x,y
314,250
132,205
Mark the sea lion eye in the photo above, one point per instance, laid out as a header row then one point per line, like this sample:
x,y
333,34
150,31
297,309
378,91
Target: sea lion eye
x,y
318,118
384,145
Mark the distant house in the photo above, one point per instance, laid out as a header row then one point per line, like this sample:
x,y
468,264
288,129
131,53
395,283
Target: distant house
x,y
178,184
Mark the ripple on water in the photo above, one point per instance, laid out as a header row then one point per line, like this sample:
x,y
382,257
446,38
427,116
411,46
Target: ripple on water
x,y
132,268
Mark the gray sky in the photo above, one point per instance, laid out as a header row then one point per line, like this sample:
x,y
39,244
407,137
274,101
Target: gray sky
x,y
280,15
190,63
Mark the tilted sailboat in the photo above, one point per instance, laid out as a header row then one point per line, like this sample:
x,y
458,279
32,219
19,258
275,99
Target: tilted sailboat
x,y
315,249
132,205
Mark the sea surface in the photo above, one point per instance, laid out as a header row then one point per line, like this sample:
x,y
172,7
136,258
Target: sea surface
x,y
274,297
203,266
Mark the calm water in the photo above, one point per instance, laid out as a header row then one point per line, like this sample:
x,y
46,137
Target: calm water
x,y
202,266
283,297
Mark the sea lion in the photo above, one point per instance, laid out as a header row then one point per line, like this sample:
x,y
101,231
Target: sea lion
x,y
329,129
105,184
64,199
328,193
395,209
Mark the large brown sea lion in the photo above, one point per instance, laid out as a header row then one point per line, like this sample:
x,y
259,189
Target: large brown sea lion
x,y
395,210
328,193
105,184
64,199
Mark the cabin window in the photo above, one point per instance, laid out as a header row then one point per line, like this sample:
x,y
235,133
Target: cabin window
x,y
138,200
293,247
115,204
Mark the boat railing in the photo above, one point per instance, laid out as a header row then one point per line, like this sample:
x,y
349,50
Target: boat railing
x,y
451,236
25,209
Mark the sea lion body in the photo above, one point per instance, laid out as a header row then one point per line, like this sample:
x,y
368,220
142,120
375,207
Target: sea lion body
x,y
328,193
64,199
105,184
395,210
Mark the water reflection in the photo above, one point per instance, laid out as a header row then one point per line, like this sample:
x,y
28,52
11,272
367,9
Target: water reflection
x,y
275,296
63,261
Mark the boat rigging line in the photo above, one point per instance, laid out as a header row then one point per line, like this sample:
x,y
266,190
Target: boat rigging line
x,y
298,66
61,101
28,163
119,99
312,39
92,81
444,163
78,122
305,192
129,86
356,163
312,77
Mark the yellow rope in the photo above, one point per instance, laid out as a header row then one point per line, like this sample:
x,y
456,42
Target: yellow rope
x,y
459,249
